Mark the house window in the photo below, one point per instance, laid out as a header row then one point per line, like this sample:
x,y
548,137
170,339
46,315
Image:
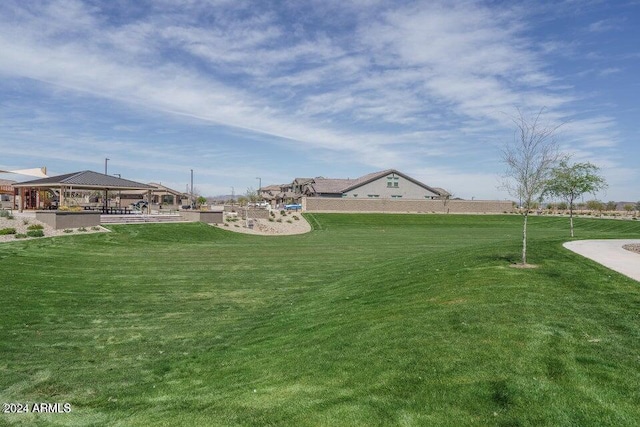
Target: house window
x,y
392,181
396,196
344,195
373,196
355,195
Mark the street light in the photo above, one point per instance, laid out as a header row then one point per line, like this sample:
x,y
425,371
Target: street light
x,y
106,192
259,187
193,205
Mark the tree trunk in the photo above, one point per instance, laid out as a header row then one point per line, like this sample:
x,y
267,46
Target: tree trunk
x,y
571,216
524,238
571,222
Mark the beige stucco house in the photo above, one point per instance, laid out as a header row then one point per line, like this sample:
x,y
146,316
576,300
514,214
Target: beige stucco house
x,y
386,184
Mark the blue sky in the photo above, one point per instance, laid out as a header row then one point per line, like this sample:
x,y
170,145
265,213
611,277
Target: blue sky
x,y
237,90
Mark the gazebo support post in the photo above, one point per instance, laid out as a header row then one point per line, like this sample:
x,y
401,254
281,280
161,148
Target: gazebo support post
x,y
20,200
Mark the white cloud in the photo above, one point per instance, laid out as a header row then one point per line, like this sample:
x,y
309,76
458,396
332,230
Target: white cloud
x,y
393,85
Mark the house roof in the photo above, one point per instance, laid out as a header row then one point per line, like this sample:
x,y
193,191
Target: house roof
x,y
87,180
330,186
365,179
159,189
338,186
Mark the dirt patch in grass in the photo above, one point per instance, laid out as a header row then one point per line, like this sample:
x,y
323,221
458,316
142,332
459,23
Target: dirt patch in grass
x,y
523,266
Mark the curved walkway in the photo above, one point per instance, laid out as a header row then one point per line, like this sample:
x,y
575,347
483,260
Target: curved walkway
x,y
610,253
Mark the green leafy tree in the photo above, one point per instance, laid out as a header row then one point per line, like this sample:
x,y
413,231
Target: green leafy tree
x,y
529,160
595,205
611,206
570,181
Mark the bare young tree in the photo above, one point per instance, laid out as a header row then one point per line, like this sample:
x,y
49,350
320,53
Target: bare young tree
x,y
529,160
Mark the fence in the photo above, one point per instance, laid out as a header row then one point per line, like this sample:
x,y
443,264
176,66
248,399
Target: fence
x,y
321,204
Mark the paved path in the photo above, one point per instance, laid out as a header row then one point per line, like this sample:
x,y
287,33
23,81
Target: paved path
x,y
610,253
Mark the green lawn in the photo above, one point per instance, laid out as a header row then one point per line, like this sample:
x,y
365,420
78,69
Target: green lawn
x,y
368,320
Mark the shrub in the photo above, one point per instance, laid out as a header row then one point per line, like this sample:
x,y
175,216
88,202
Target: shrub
x,y
21,236
6,231
279,220
296,218
35,233
25,221
70,208
271,219
82,229
95,228
289,221
283,212
5,214
35,227
67,230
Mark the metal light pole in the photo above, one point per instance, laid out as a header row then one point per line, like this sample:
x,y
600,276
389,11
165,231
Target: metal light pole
x,y
106,192
258,193
192,202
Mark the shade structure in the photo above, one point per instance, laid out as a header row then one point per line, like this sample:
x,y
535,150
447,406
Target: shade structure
x,y
84,180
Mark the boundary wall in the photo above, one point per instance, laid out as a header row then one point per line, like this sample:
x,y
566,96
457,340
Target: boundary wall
x,y
327,204
60,220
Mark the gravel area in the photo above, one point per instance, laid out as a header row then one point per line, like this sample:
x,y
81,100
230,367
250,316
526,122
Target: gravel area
x,y
281,225
22,221
633,248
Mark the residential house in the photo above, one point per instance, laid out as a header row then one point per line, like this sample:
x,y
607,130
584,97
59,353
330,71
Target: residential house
x,y
386,184
7,194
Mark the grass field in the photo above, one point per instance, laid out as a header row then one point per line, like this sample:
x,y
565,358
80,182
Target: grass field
x,y
368,320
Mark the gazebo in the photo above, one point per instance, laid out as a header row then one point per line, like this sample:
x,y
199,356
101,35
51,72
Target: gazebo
x,y
84,180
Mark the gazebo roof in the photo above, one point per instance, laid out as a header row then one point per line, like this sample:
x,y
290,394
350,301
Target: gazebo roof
x,y
86,180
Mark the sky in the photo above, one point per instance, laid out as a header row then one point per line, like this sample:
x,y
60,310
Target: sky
x,y
250,92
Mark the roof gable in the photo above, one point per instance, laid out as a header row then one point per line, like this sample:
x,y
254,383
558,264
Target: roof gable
x,y
365,179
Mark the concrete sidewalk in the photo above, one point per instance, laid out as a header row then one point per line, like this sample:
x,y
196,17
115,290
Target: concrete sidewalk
x,y
610,253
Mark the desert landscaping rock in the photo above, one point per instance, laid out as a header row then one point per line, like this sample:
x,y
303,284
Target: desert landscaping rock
x,y
633,248
287,226
22,221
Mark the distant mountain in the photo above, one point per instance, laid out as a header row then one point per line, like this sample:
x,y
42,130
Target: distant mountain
x,y
221,198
